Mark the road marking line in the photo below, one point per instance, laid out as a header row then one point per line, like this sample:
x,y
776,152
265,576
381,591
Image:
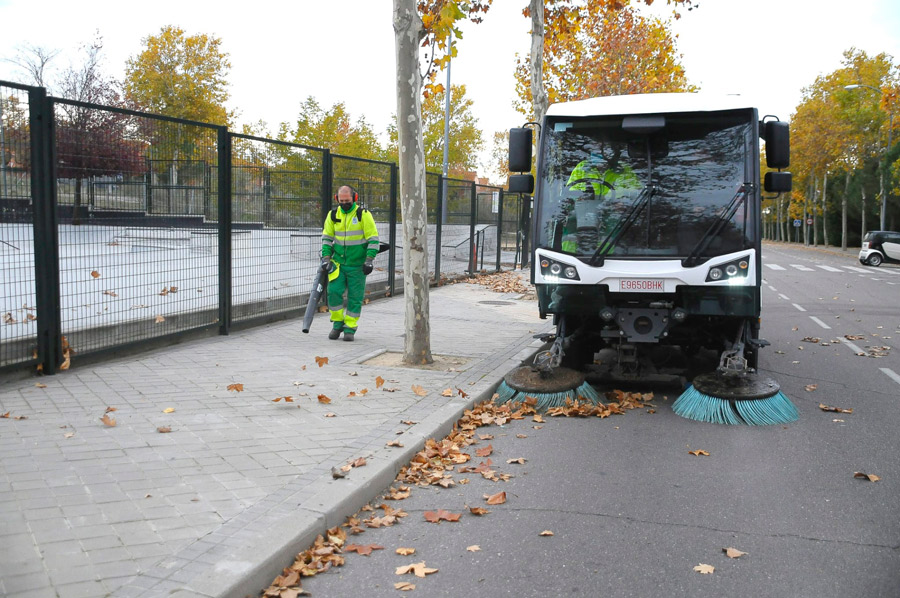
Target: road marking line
x,y
829,268
852,346
855,269
802,268
820,322
891,374
774,266
785,297
798,307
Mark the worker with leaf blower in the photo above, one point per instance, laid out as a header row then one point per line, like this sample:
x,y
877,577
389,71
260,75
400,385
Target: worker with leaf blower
x,y
349,246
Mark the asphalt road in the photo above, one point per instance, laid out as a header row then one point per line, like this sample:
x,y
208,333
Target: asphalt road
x,y
632,512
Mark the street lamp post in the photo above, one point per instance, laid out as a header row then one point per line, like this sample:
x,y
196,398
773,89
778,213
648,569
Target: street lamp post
x,y
886,150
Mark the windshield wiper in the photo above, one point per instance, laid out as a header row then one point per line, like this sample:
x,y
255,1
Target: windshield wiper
x,y
717,225
622,225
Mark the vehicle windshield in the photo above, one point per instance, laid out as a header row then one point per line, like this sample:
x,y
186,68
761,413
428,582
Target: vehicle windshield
x,y
682,190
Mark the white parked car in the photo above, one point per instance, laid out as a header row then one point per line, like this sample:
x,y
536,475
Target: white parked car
x,y
880,246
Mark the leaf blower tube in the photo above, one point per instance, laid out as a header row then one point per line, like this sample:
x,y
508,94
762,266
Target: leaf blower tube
x,y
314,295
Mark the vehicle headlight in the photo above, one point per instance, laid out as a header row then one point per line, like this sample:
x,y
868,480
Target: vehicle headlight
x,y
555,269
731,270
570,272
715,274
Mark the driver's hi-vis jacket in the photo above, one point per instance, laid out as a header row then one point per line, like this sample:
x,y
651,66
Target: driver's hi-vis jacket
x,y
350,238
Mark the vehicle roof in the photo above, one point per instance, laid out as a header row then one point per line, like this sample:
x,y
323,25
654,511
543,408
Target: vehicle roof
x,y
649,103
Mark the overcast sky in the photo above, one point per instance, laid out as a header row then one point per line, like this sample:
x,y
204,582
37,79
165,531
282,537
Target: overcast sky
x,y
343,50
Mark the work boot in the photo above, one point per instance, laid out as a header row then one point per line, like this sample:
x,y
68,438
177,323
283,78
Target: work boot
x,y
348,336
334,334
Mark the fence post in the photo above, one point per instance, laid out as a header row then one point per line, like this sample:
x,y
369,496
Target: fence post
x,y
223,156
473,247
392,232
327,184
46,233
438,226
499,226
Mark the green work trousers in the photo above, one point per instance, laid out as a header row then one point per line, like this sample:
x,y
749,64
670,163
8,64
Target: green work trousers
x,y
352,281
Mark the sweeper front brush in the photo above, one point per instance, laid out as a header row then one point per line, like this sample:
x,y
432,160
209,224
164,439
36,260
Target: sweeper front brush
x,y
551,389
735,399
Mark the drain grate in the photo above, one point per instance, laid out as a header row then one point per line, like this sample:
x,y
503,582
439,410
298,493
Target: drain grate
x,y
497,302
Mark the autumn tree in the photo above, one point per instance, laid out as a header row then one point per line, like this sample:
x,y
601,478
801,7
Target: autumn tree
x,y
334,129
465,137
599,47
180,75
428,24
91,141
35,61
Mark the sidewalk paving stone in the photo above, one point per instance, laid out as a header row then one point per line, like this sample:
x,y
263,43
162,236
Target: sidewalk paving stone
x,y
220,504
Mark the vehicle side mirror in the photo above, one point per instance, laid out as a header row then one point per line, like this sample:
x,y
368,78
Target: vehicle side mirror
x,y
778,144
777,182
520,150
521,183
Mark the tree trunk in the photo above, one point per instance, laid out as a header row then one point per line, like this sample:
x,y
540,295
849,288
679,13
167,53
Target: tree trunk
x,y
844,211
408,33
824,209
863,210
539,98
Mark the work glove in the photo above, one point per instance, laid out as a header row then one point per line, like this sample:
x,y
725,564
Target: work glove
x,y
368,266
325,266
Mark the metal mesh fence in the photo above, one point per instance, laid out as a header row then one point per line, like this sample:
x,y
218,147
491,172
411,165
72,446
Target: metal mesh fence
x,y
118,230
130,271
276,195
18,316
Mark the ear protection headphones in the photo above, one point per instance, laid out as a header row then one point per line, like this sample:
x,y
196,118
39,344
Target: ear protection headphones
x,y
354,195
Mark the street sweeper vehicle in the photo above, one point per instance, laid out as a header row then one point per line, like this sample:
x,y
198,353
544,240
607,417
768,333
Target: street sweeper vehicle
x,y
647,246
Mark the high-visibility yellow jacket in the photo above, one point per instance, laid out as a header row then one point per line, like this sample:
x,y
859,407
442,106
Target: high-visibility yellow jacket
x,y
350,238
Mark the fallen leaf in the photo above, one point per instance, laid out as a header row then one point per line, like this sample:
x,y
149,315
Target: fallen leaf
x,y
486,436
363,549
396,443
441,514
164,429
327,414
485,452
448,392
404,586
5,415
733,553
521,435
169,410
419,390
107,420
236,387
110,293
537,419
17,417
337,473
160,319
346,468
68,434
321,360
417,569
520,460
825,407
353,374
95,274
496,499
473,548
110,409
478,510
546,532
408,422
704,569
39,385
358,462
869,476
323,399
810,387
698,452
405,551
379,382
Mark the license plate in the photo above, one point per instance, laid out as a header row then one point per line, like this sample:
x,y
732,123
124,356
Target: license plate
x,y
642,285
